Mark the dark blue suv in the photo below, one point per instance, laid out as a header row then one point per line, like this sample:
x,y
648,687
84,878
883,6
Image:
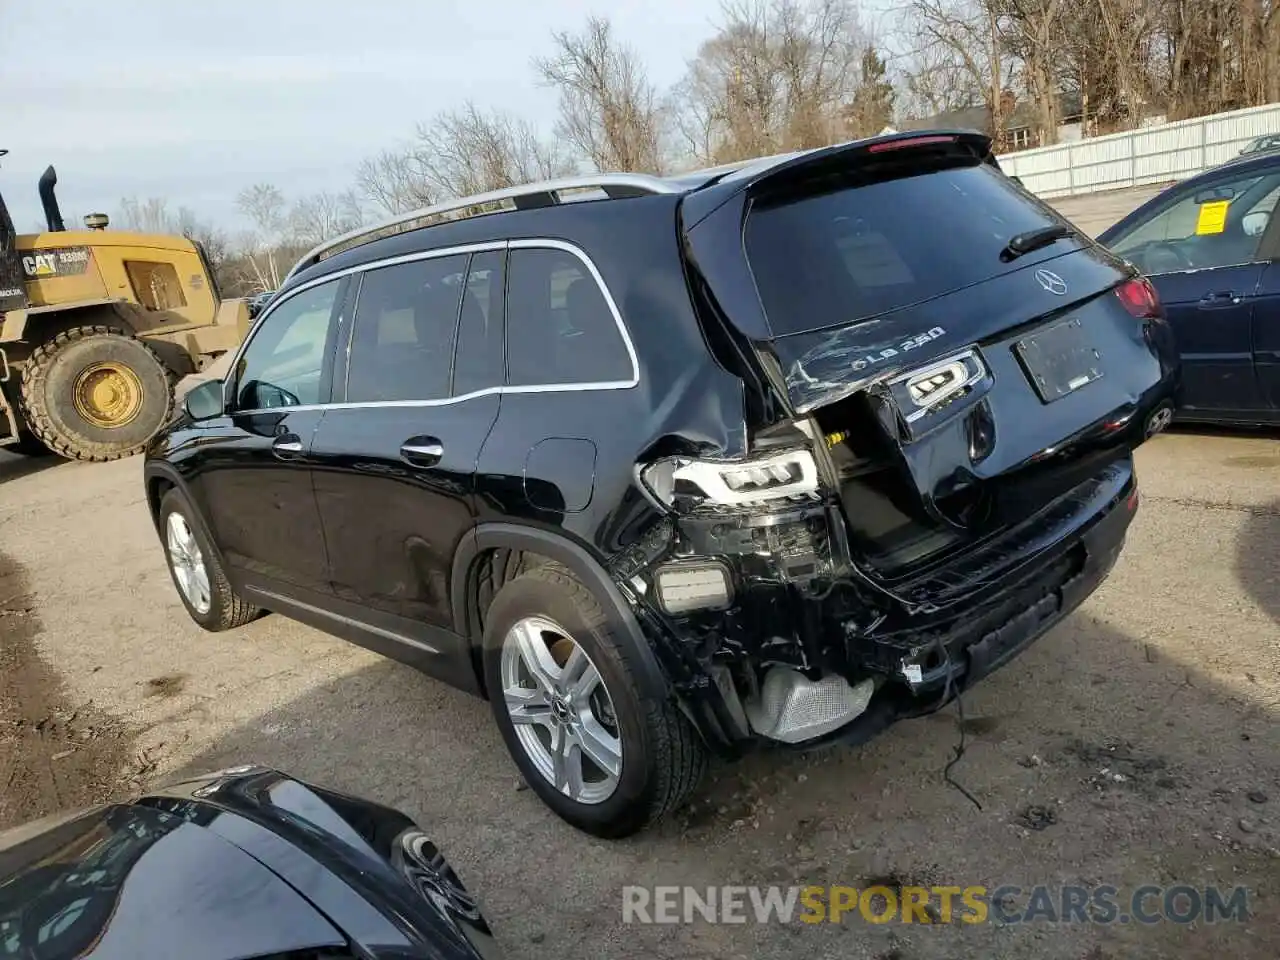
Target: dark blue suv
x,y
770,454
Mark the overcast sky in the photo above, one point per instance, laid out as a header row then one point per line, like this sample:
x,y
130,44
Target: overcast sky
x,y
193,101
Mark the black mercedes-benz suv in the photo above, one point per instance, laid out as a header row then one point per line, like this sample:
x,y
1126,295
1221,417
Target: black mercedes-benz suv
x,y
779,452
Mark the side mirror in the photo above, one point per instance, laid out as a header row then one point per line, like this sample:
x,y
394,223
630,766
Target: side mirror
x,y
1255,224
204,401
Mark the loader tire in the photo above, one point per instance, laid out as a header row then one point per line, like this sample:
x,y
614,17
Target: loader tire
x,y
95,393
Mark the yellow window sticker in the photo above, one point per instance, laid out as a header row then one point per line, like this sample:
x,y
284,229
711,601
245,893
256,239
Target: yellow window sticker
x,y
1213,217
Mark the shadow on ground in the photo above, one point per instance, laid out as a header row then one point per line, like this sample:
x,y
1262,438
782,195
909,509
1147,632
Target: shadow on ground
x,y
1093,765
1258,558
14,465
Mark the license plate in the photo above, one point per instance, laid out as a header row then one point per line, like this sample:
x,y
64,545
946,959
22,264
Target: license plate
x,y
1059,361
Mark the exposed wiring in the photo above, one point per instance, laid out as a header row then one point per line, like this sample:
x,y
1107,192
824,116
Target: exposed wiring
x,y
958,750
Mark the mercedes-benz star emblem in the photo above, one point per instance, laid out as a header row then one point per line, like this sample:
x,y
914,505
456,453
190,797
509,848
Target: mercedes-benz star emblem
x,y
1051,282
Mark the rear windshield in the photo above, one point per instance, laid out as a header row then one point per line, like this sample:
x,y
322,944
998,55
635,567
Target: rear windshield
x,y
846,254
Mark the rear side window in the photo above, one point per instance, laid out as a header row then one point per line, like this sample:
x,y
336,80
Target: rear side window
x,y
560,329
405,321
478,364
852,251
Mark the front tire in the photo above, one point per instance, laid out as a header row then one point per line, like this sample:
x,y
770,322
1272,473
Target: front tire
x,y
562,685
197,574
95,393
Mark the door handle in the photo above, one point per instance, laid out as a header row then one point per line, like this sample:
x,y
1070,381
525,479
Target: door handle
x,y
287,446
421,451
1219,299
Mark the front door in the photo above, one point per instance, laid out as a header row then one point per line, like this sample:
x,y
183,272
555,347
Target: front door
x,y
1205,249
253,475
396,458
1211,313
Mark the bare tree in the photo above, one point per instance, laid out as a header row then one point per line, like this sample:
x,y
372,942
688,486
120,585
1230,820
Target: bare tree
x,y
609,111
458,153
321,216
778,75
1033,34
265,206
966,33
468,151
393,182
937,81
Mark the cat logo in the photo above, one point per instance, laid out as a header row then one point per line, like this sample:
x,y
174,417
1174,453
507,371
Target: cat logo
x,y
62,262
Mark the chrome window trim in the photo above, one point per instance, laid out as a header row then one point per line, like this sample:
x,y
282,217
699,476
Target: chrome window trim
x,y
529,243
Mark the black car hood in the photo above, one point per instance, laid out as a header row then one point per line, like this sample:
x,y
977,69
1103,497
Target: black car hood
x,y
129,881
244,862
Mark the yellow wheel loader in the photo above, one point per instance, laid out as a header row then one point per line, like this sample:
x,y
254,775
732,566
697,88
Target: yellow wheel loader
x,y
96,327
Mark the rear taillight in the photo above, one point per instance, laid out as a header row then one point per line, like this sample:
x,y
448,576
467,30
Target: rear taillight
x,y
1140,298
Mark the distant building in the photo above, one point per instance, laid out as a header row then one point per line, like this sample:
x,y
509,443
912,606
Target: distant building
x,y
1022,120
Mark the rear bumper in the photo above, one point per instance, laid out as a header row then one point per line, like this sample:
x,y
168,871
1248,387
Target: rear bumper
x,y
924,642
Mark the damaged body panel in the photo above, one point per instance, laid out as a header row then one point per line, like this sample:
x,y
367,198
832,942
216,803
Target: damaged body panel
x,y
971,422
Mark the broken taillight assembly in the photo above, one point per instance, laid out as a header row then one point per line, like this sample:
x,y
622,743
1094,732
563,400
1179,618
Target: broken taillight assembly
x,y
788,474
1140,298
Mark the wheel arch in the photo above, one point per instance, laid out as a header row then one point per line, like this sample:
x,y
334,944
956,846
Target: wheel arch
x,y
158,479
486,539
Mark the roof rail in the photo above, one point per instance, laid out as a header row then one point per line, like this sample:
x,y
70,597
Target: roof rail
x,y
525,196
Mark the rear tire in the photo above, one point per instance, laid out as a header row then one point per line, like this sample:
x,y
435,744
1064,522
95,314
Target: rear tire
x,y
659,756
95,393
197,575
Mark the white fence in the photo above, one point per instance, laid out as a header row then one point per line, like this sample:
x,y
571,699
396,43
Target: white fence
x,y
1151,155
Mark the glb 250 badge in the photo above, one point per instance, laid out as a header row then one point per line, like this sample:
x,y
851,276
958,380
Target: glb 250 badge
x,y
888,353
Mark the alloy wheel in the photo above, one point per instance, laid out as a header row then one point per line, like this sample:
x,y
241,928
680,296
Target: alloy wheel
x,y
188,563
561,710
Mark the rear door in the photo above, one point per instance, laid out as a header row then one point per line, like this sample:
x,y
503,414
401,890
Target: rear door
x,y
397,456
1206,248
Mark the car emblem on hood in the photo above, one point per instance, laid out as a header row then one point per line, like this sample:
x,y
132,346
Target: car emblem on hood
x,y
1051,282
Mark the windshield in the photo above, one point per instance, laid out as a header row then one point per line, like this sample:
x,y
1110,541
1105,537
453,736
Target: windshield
x,y
842,255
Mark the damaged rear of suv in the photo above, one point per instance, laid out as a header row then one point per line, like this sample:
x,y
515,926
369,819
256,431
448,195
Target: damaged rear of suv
x,y
774,453
945,384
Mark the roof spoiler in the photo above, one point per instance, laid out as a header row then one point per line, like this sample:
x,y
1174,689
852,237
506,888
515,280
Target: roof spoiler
x,y
701,203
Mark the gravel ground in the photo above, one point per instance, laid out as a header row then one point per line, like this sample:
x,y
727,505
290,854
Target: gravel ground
x,y
1136,743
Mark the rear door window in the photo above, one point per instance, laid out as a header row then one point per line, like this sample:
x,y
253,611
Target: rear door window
x,y
848,251
402,341
560,327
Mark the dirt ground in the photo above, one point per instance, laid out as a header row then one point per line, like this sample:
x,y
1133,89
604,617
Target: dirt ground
x,y
1136,743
